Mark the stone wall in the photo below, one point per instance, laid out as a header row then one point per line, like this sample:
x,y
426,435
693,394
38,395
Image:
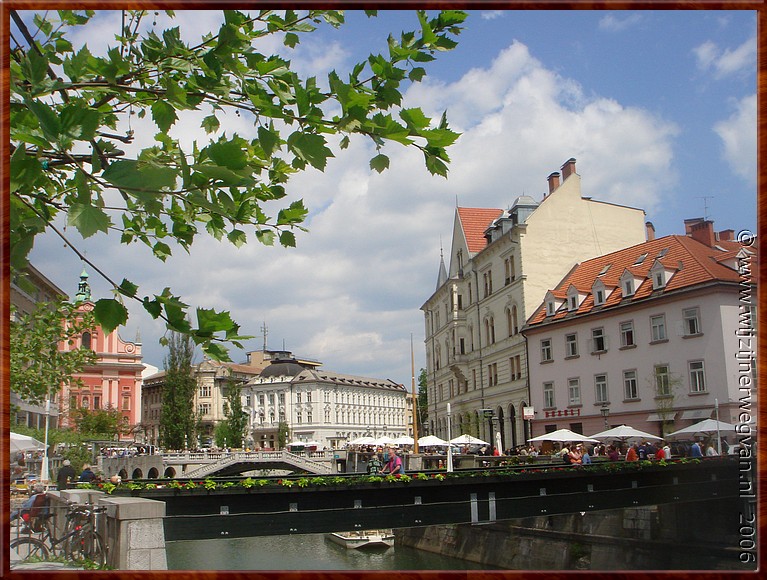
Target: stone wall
x,y
690,536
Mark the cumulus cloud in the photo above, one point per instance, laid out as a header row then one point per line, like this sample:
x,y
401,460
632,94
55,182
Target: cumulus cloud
x,y
726,62
349,294
738,135
614,23
492,14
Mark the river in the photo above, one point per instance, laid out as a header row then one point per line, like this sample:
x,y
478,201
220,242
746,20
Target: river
x,y
301,552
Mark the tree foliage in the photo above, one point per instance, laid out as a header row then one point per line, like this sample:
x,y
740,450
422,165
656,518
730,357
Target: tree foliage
x,y
38,366
423,400
177,420
235,421
106,423
70,118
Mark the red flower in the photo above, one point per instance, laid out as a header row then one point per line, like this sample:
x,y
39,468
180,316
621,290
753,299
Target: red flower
x,y
397,475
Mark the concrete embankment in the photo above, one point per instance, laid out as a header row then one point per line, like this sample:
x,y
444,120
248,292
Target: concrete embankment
x,y
701,536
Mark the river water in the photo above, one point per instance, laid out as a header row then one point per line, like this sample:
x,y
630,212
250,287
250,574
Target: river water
x,y
301,552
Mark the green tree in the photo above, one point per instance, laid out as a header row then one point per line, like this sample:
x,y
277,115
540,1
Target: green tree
x,y
70,113
283,432
177,421
235,420
38,367
423,400
106,423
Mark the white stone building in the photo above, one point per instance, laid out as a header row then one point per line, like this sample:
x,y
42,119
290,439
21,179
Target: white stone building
x,y
321,406
502,262
650,336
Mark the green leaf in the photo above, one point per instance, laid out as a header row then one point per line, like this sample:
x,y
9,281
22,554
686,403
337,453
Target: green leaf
x,y
269,140
216,352
311,148
88,219
288,239
164,115
414,118
230,154
209,322
137,175
47,117
153,307
266,237
127,288
238,238
291,40
210,124
417,74
36,68
110,314
379,163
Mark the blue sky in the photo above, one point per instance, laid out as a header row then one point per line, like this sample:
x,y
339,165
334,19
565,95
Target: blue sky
x,y
658,108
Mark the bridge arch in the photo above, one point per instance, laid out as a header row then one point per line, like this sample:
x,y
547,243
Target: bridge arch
x,y
170,472
137,474
123,474
153,473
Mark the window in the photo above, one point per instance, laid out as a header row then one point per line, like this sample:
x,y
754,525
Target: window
x,y
96,402
490,330
308,396
282,399
515,364
630,385
662,382
574,392
627,333
86,402
571,345
308,416
261,399
598,340
492,374
573,302
550,308
548,395
599,297
271,399
508,264
697,377
658,325
298,398
628,287
691,321
204,391
600,388
546,354
203,409
126,403
299,417
659,281
86,340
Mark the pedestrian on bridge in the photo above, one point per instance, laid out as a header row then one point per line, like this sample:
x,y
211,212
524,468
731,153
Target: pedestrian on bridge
x,y
394,464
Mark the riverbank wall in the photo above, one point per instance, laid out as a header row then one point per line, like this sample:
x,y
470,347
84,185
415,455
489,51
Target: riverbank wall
x,y
687,536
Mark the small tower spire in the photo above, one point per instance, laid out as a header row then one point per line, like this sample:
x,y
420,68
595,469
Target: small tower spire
x,y
83,288
442,277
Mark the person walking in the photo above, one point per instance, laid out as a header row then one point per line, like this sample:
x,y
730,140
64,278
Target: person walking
x,y
695,450
394,464
65,475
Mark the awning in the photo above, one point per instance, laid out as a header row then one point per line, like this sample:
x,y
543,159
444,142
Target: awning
x,y
696,414
657,417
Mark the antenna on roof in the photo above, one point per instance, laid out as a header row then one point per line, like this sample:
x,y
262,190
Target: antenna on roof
x,y
705,204
265,330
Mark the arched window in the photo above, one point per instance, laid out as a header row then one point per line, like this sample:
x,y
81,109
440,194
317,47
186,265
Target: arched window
x,y
514,322
86,340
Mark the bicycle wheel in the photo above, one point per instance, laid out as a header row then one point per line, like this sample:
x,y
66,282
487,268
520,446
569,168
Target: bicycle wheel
x,y
28,548
87,545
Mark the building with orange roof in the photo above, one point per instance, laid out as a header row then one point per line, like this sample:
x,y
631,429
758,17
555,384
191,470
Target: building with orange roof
x,y
649,336
501,264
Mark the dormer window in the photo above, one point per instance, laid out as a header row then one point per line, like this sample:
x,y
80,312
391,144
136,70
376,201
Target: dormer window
x,y
552,303
660,275
628,287
629,283
550,308
599,293
599,298
659,280
573,302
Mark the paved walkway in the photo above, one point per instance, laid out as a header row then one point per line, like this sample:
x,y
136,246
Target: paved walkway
x,y
48,566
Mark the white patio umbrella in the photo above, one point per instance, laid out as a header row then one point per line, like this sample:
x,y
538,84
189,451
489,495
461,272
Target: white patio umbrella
x,y
365,440
625,433
432,441
706,428
25,443
384,440
468,440
563,435
405,440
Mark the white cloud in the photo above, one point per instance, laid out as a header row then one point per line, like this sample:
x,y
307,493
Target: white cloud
x,y
493,14
724,63
738,135
614,23
349,294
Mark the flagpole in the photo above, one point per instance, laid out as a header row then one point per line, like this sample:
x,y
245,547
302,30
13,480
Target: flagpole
x,y
415,396
718,436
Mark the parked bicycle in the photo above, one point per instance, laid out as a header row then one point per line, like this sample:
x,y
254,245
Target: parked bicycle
x,y
81,540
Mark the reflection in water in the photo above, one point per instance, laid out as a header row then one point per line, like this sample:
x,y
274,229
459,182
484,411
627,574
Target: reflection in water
x,y
301,552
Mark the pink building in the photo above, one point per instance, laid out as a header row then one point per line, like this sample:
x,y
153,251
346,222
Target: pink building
x,y
114,381
650,336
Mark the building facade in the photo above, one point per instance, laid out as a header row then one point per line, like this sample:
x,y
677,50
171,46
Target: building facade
x,y
501,265
114,381
321,406
649,336
27,289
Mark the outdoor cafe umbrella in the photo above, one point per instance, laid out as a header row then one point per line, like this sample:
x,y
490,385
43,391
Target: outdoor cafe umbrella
x,y
405,440
25,443
432,441
468,440
563,435
365,440
384,440
625,433
706,428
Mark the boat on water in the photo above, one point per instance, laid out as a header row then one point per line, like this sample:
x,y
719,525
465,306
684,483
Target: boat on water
x,y
363,539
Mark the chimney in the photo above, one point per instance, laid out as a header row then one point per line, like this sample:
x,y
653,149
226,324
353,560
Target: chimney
x,y
568,168
703,231
727,235
553,181
688,224
650,231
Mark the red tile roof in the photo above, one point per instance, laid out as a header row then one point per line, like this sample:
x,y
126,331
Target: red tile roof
x,y
475,221
692,263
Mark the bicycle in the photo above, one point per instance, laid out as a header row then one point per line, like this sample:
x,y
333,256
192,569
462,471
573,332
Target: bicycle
x,y
81,540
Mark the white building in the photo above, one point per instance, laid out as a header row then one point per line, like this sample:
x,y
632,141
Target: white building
x,y
650,336
322,406
502,262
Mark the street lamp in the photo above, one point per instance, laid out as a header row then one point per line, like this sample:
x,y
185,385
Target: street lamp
x,y
605,410
449,445
44,465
